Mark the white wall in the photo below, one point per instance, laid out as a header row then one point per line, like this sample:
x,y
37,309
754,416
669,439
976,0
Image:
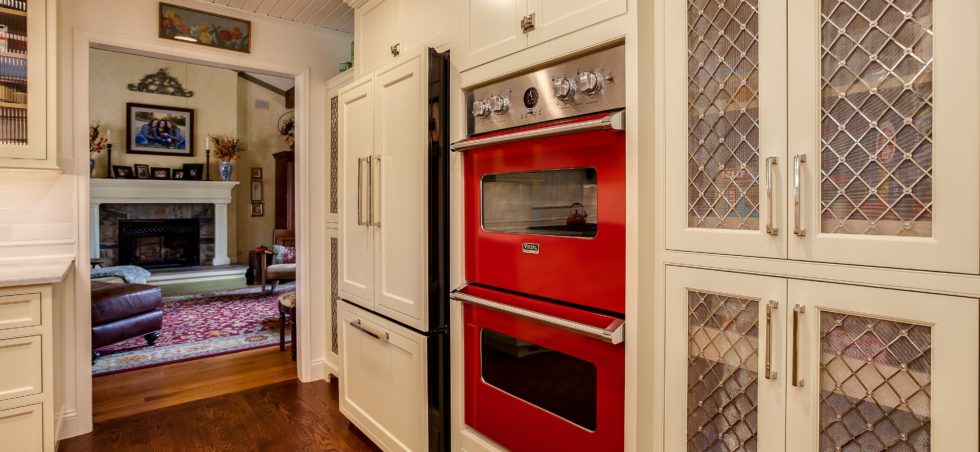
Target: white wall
x,y
50,202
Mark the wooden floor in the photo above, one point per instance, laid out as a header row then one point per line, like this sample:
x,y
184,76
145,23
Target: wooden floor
x,y
138,391
287,416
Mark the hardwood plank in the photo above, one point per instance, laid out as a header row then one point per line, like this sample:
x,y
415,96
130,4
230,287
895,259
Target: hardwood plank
x,y
138,391
285,416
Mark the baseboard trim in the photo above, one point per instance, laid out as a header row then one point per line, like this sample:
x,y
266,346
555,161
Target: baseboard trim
x,y
317,370
71,425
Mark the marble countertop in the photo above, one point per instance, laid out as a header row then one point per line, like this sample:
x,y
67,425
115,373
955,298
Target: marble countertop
x,y
26,272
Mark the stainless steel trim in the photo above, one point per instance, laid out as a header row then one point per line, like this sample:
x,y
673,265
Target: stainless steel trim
x,y
360,193
770,229
798,227
771,306
612,334
357,326
375,203
614,121
797,310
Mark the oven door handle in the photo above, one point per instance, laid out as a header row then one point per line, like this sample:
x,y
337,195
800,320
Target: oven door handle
x,y
614,121
612,334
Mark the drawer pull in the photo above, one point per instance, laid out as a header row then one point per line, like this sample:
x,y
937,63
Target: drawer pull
x,y
357,326
797,311
771,306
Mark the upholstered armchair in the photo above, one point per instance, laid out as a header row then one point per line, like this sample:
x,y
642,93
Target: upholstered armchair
x,y
283,260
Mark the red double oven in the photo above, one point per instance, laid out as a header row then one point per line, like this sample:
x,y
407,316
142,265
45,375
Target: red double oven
x,y
545,226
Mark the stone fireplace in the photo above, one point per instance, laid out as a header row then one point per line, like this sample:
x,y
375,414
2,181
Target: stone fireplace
x,y
149,202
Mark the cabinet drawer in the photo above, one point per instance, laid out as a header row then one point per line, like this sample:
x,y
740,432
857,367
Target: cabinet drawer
x,y
20,310
382,384
20,374
20,428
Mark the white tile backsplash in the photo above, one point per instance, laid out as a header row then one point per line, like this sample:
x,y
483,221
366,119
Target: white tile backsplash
x,y
36,208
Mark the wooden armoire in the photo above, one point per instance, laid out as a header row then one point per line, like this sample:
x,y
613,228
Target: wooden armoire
x,y
285,210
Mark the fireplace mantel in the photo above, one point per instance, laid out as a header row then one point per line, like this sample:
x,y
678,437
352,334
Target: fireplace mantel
x,y
148,191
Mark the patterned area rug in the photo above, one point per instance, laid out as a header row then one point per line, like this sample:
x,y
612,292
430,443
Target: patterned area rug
x,y
201,325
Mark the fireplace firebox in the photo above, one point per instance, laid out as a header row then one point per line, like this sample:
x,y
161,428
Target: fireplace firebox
x,y
160,243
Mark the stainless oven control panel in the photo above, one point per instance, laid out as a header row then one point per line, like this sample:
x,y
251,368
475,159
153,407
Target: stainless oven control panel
x,y
587,84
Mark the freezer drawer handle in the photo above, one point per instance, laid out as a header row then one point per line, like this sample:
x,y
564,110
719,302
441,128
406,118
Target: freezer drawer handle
x,y
357,326
614,121
612,334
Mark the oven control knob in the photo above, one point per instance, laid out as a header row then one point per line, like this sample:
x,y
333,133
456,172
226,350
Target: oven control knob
x,y
564,88
481,109
590,83
499,105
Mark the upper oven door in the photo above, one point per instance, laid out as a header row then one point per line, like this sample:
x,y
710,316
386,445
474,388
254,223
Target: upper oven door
x,y
547,216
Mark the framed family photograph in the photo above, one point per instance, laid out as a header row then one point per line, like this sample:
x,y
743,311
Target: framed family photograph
x,y
122,172
258,209
177,174
203,28
160,173
194,171
142,171
157,130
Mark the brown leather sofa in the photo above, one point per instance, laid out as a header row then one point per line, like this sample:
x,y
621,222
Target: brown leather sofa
x,y
123,311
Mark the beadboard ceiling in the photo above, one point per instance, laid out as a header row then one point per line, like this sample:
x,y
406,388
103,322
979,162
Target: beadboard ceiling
x,y
330,14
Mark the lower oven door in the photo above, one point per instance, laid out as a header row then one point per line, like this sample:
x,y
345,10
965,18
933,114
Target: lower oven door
x,y
540,376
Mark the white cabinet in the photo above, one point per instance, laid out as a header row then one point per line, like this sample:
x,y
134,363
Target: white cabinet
x,y
387,29
384,173
22,429
383,380
859,148
356,148
27,95
849,367
491,29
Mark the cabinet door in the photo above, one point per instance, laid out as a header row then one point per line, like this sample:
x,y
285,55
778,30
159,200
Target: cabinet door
x,y
877,367
884,107
356,146
382,383
490,29
401,289
23,94
726,110
22,429
553,18
720,396
425,23
378,27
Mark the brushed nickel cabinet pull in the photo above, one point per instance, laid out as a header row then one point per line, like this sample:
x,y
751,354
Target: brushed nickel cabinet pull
x,y
770,228
396,49
798,227
527,23
360,193
798,310
771,306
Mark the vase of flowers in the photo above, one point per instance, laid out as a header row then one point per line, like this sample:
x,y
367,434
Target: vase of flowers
x,y
96,144
227,149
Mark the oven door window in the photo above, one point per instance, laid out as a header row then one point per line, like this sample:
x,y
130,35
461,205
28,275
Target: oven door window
x,y
559,202
558,383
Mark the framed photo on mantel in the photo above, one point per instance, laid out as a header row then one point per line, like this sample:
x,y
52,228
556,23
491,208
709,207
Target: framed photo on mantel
x,y
158,130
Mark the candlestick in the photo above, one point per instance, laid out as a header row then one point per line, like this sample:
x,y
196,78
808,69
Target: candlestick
x,y
108,165
207,162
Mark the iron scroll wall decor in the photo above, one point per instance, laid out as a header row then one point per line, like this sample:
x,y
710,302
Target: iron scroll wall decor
x,y
161,82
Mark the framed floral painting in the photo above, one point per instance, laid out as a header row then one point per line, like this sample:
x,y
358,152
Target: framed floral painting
x,y
204,28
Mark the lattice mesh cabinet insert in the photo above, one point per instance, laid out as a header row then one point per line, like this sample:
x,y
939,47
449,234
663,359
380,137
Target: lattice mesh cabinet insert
x,y
877,104
875,378
722,371
723,114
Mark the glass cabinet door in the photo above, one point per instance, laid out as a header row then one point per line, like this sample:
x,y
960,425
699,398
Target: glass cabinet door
x,y
724,361
726,126
23,83
884,100
869,369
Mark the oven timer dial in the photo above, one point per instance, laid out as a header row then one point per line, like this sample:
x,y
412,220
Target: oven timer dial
x,y
564,88
481,109
499,104
590,83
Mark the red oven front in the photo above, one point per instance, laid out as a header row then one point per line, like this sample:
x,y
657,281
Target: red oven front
x,y
541,376
547,216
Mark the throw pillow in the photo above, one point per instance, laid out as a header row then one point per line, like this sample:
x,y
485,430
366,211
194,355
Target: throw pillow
x,y
283,254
